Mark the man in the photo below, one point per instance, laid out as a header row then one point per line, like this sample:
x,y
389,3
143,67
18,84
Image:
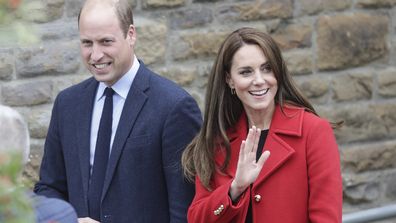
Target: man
x,y
14,139
151,122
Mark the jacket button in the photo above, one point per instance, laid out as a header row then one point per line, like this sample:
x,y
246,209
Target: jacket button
x,y
257,197
218,210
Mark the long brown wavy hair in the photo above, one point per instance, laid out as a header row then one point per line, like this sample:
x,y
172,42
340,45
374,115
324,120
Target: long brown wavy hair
x,y
222,109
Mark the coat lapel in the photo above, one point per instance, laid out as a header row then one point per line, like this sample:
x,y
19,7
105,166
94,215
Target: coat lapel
x,y
83,131
235,135
134,103
288,123
284,123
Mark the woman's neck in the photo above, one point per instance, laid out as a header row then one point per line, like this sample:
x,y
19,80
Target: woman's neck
x,y
260,118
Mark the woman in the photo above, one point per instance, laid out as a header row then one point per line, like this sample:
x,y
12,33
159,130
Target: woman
x,y
263,154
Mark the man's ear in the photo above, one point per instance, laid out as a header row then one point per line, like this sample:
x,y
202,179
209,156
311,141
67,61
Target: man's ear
x,y
131,35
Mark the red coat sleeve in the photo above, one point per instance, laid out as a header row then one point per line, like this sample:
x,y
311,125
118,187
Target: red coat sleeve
x,y
324,174
216,205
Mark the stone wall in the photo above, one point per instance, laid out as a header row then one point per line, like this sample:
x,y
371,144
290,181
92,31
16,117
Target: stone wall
x,y
341,52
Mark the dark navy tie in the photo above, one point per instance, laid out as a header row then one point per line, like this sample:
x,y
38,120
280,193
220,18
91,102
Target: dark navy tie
x,y
101,156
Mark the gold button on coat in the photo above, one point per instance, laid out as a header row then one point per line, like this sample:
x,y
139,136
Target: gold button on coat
x,y
218,210
257,197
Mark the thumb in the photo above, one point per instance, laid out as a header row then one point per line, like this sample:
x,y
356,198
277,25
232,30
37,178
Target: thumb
x,y
263,158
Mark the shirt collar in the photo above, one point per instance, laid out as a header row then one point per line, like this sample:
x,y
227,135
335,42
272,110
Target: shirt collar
x,y
122,86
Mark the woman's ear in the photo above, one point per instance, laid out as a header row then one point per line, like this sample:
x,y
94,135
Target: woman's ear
x,y
229,81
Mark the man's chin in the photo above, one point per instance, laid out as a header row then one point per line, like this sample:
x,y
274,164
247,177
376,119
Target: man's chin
x,y
102,77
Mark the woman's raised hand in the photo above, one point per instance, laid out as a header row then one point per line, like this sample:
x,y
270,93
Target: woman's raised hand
x,y
248,169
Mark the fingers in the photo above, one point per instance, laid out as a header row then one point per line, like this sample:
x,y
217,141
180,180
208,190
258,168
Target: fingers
x,y
263,158
252,139
242,150
86,220
256,139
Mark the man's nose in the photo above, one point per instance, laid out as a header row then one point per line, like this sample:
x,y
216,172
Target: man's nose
x,y
97,53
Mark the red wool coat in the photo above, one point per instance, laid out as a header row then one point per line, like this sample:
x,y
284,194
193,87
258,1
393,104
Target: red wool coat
x,y
300,182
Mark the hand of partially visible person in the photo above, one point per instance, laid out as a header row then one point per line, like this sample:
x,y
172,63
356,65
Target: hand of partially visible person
x,y
87,220
248,169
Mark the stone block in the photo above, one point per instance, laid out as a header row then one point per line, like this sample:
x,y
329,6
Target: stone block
x,y
189,18
360,189
32,168
363,122
27,93
375,3
199,1
198,45
73,7
48,60
385,112
62,82
42,11
387,83
182,75
163,3
352,87
293,36
315,6
368,157
392,60
315,88
350,40
38,118
390,182
51,31
298,61
258,10
6,67
151,40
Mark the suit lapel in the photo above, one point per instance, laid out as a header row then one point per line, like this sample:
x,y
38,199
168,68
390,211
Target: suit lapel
x,y
134,103
83,131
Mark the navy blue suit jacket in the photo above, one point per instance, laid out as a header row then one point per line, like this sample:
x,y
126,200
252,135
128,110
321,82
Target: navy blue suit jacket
x,y
144,181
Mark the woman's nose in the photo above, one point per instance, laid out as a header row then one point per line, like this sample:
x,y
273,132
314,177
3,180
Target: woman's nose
x,y
258,78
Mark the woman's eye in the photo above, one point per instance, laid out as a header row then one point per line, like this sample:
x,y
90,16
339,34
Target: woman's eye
x,y
244,72
266,68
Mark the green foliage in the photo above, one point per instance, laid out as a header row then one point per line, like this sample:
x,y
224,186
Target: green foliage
x,y
15,204
12,28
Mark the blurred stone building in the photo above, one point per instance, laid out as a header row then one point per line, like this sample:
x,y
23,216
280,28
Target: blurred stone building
x,y
341,52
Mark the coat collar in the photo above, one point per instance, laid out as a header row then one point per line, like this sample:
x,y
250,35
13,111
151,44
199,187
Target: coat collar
x,y
284,123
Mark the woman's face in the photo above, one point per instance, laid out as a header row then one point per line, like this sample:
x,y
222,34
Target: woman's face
x,y
253,79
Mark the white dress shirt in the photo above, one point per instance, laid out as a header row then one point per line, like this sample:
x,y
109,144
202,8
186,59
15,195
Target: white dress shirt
x,y
121,89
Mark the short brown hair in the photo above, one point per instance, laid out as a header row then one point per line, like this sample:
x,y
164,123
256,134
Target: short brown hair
x,y
123,10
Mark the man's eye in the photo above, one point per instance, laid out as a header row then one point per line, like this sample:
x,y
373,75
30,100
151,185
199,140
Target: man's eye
x,y
86,43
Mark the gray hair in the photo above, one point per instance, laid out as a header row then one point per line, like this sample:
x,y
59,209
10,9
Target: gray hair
x,y
14,134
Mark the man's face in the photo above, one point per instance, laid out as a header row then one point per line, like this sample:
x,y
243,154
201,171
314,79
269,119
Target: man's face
x,y
106,51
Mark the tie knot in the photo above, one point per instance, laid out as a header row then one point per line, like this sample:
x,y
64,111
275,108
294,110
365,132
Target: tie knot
x,y
109,92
